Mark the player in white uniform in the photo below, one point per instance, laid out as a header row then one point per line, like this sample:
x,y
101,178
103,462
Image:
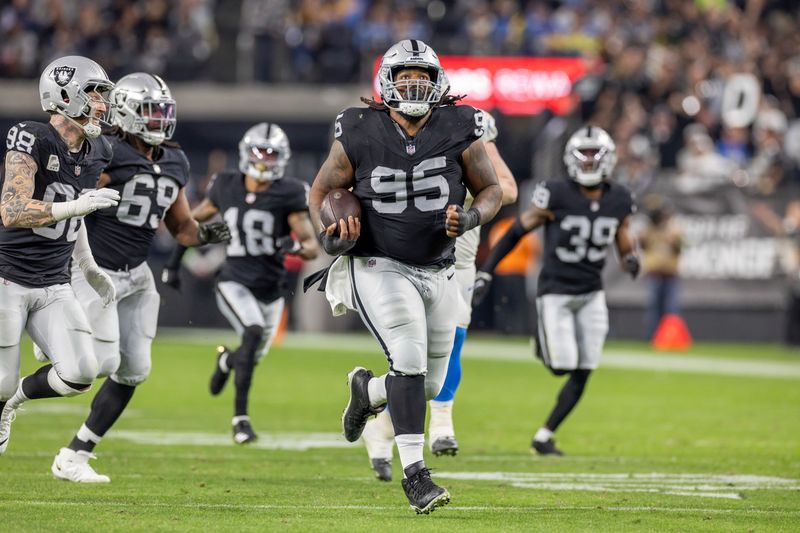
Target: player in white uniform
x,y
378,434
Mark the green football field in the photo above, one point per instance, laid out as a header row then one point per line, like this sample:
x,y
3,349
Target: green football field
x,y
704,441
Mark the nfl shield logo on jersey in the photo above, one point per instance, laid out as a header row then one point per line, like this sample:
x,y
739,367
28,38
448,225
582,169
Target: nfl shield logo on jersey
x,y
411,149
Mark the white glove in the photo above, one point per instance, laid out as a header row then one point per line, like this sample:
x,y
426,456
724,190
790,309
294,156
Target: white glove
x,y
86,203
100,282
97,278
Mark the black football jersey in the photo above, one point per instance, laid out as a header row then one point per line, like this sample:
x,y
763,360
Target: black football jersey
x,y
405,184
257,220
39,257
576,242
120,236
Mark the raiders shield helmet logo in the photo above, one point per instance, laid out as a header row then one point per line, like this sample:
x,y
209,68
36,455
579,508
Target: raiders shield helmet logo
x,y
63,75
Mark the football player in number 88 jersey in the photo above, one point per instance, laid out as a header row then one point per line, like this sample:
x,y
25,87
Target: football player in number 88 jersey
x,y
409,159
150,173
261,206
48,186
582,216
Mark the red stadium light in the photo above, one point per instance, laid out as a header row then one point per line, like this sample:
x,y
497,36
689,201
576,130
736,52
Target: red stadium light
x,y
513,85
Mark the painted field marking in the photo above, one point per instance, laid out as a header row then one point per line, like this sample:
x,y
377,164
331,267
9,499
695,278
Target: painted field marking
x,y
268,441
314,507
501,351
697,485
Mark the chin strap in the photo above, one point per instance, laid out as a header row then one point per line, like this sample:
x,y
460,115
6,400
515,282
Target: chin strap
x,y
90,130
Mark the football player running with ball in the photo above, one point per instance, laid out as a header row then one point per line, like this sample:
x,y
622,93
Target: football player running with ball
x,y
410,160
150,173
581,216
47,188
262,207
378,434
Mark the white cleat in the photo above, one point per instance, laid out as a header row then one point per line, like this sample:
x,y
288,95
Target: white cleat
x,y
7,415
74,466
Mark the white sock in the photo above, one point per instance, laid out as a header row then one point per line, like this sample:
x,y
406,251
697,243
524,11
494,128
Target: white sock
x,y
18,398
441,424
410,448
87,435
223,363
543,435
377,391
240,418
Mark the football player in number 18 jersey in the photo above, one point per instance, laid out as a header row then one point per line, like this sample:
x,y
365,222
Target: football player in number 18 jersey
x,y
262,207
581,216
410,160
48,187
150,173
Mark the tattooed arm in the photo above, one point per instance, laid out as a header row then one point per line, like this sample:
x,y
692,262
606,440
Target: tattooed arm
x,y
336,172
18,209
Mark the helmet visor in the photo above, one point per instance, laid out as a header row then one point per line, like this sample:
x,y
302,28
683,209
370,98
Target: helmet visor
x,y
158,116
263,158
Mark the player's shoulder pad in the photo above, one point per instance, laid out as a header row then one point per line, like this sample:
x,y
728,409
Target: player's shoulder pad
x,y
352,119
104,147
624,195
295,189
489,127
464,118
32,138
222,179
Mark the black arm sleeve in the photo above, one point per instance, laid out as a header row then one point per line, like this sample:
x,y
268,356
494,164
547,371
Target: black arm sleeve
x,y
504,246
174,261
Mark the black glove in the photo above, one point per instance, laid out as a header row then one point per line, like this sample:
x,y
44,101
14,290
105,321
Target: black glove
x,y
214,232
287,245
483,281
171,277
630,263
467,220
333,245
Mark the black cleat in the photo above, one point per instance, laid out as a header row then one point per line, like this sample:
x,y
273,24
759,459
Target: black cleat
x,y
445,446
547,447
220,377
423,494
358,409
243,432
383,469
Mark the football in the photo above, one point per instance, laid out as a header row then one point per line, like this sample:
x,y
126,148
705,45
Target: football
x,y
337,204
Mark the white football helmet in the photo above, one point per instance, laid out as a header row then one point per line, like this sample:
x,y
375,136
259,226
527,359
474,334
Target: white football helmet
x,y
264,152
412,97
590,156
64,88
143,106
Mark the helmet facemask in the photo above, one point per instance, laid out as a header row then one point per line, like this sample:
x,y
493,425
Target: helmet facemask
x,y
409,95
264,152
145,108
590,156
76,88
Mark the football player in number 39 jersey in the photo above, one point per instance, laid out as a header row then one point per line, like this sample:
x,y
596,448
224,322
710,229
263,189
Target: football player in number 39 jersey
x,y
582,216
410,160
48,187
150,173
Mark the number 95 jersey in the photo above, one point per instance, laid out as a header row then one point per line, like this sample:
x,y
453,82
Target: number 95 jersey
x,y
576,240
120,237
405,184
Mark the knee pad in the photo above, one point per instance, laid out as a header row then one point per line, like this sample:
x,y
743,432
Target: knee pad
x,y
133,371
432,389
108,357
8,386
63,387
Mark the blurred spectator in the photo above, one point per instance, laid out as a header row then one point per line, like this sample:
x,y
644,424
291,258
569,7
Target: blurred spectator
x,y
661,247
701,167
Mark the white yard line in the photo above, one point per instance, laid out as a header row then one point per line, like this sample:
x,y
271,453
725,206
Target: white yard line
x,y
314,507
500,351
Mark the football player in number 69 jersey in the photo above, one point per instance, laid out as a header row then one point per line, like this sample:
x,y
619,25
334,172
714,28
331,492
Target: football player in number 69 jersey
x,y
410,160
47,188
262,207
150,173
581,216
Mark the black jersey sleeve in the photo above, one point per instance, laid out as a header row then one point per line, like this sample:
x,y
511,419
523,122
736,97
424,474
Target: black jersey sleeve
x,y
25,138
351,129
297,199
